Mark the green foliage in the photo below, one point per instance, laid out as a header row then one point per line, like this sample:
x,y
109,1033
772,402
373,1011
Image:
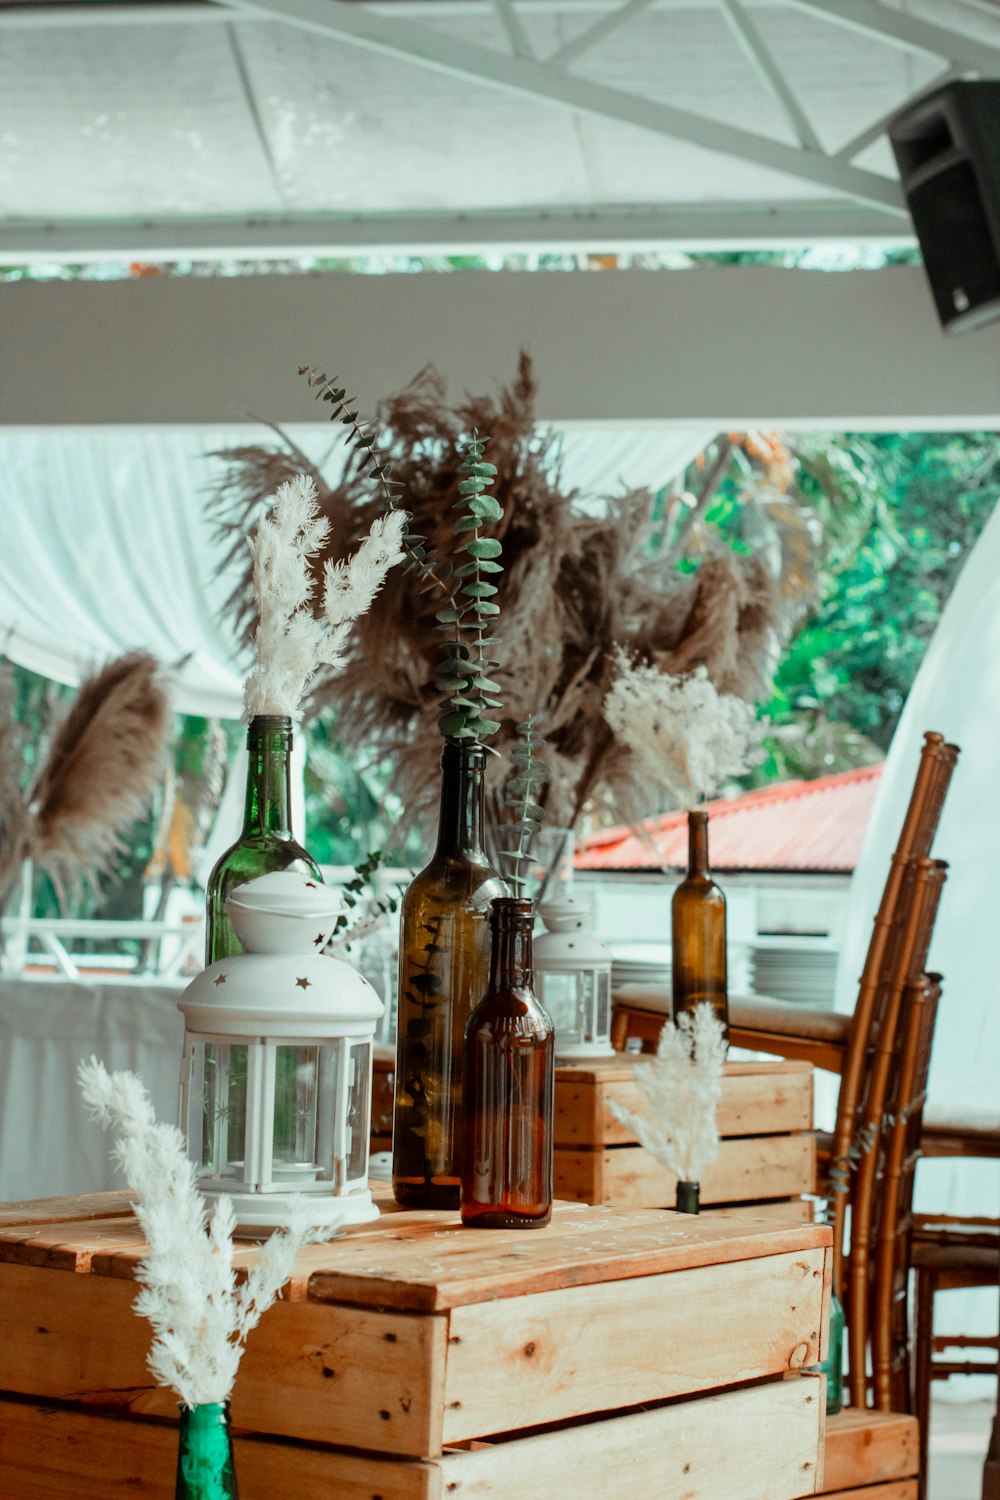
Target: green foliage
x,y
530,773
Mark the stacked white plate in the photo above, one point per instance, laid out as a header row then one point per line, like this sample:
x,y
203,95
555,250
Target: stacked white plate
x,y
795,970
640,963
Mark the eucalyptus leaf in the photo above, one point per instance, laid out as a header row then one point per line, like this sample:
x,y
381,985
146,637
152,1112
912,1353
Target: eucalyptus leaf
x,y
483,547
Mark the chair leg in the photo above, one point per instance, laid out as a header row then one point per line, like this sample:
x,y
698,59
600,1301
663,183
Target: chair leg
x,y
923,1348
991,1469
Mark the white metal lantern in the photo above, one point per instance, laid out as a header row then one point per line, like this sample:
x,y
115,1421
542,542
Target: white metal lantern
x,y
573,978
276,1079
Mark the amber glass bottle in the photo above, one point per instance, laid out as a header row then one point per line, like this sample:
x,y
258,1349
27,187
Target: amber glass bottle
x,y
510,1055
266,842
699,931
444,954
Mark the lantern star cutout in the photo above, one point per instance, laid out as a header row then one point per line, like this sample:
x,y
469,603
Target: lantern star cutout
x,y
302,984
319,941
219,979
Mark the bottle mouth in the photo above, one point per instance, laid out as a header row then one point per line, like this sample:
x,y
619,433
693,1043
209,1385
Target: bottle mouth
x,y
511,911
262,724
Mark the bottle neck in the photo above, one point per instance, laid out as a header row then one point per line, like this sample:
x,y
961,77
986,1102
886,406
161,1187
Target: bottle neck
x,y
269,799
698,843
511,961
463,794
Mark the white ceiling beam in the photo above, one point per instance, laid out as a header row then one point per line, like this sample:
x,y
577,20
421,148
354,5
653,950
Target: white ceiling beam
x,y
596,33
908,31
873,132
767,70
517,37
718,226
450,54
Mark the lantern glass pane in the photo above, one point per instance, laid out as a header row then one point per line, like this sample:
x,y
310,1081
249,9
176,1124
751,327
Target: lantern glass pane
x,y
359,1093
305,1113
587,995
602,1029
559,997
217,1109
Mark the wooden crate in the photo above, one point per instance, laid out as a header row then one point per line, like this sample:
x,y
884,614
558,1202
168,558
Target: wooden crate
x,y
767,1154
416,1360
767,1151
871,1455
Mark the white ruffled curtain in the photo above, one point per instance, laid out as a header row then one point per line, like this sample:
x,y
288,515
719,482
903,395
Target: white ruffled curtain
x,y
106,546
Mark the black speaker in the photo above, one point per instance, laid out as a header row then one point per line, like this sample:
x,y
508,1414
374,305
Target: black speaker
x,y
947,148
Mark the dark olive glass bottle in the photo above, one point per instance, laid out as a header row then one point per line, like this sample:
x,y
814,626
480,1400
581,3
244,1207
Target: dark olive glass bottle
x,y
444,955
510,1058
698,921
266,842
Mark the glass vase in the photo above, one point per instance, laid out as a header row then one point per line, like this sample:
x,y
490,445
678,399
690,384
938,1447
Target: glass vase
x,y
509,1086
698,925
205,1465
444,955
266,842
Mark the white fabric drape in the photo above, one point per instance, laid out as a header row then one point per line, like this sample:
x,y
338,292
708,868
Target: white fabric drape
x,y
957,692
106,547
48,1145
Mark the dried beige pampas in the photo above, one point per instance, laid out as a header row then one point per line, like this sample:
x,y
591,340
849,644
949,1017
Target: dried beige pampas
x,y
681,1088
200,1309
684,736
103,764
293,641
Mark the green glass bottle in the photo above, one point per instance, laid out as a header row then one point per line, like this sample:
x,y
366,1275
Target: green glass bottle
x,y
444,954
698,923
266,842
509,1088
205,1467
833,1365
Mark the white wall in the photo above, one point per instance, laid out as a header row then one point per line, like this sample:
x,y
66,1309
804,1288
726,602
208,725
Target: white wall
x,y
727,346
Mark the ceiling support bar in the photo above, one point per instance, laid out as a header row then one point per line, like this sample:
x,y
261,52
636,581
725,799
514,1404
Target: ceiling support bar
x,y
769,73
517,37
535,80
596,33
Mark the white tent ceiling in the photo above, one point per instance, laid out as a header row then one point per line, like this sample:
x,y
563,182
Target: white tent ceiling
x,y
281,126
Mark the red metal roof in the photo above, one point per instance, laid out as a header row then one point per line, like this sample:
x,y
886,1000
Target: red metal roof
x,y
796,825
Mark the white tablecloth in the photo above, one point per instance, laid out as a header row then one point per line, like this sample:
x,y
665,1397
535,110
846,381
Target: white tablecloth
x,y
48,1144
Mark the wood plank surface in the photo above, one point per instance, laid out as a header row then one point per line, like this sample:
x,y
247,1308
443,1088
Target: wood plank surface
x,y
747,1168
866,1447
349,1375
708,1449
757,1099
697,1450
896,1489
62,1453
564,1353
80,1206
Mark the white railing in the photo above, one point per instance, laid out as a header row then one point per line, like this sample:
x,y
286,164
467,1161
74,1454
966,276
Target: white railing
x,y
55,936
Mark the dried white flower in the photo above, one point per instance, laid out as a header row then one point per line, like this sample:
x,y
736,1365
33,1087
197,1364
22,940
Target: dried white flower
x,y
292,643
687,737
681,1086
200,1314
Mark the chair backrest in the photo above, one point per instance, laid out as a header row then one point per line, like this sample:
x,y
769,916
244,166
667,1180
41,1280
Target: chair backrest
x,y
890,1340
887,966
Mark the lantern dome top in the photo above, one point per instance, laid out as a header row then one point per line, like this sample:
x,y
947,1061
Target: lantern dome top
x,y
278,994
284,912
566,913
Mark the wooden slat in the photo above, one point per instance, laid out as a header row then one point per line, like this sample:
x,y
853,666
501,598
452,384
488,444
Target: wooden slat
x,y
897,1489
747,1168
435,1268
54,1453
348,1375
757,1099
565,1353
79,1207
699,1450
867,1447
703,1450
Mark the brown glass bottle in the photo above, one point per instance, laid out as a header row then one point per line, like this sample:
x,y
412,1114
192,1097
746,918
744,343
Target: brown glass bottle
x,y
266,842
698,914
444,954
509,1087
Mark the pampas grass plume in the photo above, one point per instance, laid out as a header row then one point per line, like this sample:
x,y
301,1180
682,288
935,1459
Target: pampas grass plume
x,y
681,1087
201,1314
